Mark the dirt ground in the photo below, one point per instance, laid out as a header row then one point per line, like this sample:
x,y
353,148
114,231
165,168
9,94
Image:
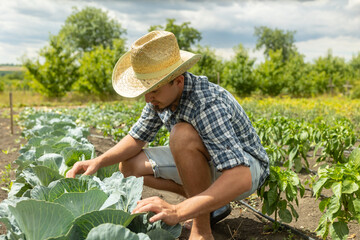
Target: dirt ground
x,y
241,224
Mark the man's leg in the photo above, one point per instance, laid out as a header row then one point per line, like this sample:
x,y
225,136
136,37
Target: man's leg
x,y
191,158
139,166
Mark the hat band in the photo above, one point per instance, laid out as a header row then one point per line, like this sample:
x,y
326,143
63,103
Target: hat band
x,y
162,72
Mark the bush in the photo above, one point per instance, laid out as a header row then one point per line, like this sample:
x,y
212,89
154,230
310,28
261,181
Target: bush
x,y
356,92
2,85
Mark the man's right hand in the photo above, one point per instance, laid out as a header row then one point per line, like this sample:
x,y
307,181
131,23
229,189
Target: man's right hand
x,y
86,167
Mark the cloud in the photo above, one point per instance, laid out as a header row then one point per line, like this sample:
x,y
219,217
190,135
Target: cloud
x,y
25,25
342,46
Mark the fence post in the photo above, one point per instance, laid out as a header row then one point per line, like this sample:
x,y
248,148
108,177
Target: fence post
x,y
11,114
331,86
347,87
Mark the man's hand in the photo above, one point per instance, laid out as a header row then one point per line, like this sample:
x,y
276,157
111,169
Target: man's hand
x,y
86,167
163,210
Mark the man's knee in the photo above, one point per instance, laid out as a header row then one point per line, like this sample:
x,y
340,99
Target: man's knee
x,y
184,137
137,166
127,168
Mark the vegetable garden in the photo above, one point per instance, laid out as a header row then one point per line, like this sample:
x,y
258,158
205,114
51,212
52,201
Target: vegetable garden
x,y
314,139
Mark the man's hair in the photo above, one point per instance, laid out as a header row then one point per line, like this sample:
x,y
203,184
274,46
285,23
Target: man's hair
x,y
172,81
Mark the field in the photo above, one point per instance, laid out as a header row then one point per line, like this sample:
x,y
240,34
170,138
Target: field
x,y
11,68
243,223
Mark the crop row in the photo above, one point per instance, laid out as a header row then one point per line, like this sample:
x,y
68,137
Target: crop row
x,y
43,204
288,142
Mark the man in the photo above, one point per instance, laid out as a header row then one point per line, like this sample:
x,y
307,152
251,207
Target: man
x,y
214,154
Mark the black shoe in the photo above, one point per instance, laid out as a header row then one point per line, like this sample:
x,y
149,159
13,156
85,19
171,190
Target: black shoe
x,y
219,214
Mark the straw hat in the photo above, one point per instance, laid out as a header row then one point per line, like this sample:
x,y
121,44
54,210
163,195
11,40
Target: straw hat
x,y
154,60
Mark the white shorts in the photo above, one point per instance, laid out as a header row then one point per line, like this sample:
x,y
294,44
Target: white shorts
x,y
163,165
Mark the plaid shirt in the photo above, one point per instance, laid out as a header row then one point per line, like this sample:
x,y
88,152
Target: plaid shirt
x,y
218,118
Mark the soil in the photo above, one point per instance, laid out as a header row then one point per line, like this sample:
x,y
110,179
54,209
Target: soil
x,y
242,223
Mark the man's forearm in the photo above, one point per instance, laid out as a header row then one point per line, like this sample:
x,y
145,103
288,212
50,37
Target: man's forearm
x,y
227,187
128,147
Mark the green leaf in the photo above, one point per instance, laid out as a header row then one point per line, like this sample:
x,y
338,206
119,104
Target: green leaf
x,y
272,196
339,231
355,157
160,234
112,231
51,160
18,189
40,193
78,153
285,215
40,219
83,224
83,184
356,204
298,164
293,153
142,224
46,175
80,203
304,136
131,186
333,207
349,187
318,185
336,188
323,228
294,212
106,172
323,204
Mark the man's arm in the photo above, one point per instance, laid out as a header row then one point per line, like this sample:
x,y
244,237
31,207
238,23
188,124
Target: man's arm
x,y
232,183
123,150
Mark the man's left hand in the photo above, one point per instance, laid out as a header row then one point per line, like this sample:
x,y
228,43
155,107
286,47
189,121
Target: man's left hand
x,y
163,210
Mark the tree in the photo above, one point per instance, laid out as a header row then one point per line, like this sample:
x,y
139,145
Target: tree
x,y
239,72
96,69
270,74
56,71
185,35
209,65
336,71
355,66
275,39
90,27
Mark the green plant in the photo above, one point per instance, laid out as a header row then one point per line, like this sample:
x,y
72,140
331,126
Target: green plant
x,y
335,140
83,204
5,177
89,206
344,205
278,193
6,151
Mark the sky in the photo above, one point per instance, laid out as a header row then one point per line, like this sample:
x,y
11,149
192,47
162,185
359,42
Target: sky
x,y
319,25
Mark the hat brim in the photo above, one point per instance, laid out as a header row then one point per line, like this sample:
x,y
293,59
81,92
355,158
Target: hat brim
x,y
126,84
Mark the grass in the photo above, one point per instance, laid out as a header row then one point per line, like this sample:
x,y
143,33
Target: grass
x,y
33,99
327,108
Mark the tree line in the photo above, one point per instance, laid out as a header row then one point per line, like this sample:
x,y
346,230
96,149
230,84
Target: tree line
x,y
82,55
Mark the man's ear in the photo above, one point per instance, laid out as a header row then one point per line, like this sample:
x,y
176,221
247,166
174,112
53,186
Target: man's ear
x,y
179,80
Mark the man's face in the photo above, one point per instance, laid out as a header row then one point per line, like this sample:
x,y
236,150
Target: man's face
x,y
165,96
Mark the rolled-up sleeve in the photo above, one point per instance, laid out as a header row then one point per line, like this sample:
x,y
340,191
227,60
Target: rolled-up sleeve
x,y
147,125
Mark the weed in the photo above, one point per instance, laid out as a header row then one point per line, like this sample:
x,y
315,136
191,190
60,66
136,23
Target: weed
x,y
5,177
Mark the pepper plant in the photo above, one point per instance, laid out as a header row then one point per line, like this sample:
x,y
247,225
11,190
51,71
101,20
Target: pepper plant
x,y
344,205
335,140
278,194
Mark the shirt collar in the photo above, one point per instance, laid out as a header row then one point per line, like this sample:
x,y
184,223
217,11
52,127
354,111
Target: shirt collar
x,y
188,87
